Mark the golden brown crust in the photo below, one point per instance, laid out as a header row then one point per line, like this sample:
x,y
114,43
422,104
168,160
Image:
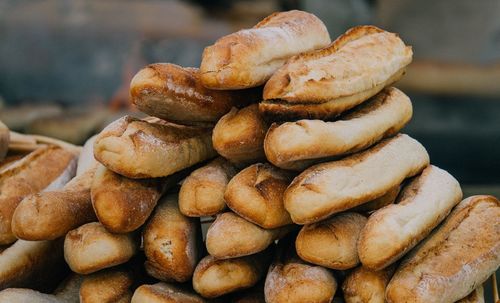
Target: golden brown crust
x,y
165,293
377,203
106,286
476,296
366,286
256,194
4,140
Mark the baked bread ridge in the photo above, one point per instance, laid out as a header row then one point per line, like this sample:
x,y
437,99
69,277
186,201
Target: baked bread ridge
x,y
395,229
365,285
382,116
154,148
332,187
248,58
457,257
165,293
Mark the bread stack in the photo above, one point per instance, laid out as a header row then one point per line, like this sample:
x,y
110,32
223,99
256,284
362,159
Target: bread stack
x,y
291,143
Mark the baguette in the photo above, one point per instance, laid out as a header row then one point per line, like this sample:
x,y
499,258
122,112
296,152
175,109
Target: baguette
x,y
363,285
231,236
249,57
45,168
172,242
239,135
202,192
91,247
148,149
476,296
332,243
324,83
107,286
377,203
165,293
256,194
383,116
394,230
332,187
213,278
457,257
26,295
4,140
175,93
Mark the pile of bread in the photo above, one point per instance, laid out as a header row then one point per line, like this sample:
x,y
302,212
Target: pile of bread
x,y
316,195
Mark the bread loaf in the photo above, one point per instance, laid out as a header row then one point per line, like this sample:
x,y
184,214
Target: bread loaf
x,y
86,159
107,286
69,290
377,203
476,296
4,140
363,285
165,293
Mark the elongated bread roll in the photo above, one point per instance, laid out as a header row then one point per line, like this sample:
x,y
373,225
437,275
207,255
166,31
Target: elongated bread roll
x,y
476,296
202,192
332,187
383,116
51,214
394,230
4,140
26,295
377,203
239,135
91,247
256,194
231,236
324,83
249,57
332,243
165,293
149,149
213,278
175,93
107,286
45,168
363,285
457,257
172,242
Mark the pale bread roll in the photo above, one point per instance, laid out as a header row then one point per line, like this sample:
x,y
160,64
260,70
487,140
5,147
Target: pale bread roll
x,y
363,285
256,194
239,135
26,295
165,293
107,286
377,203
395,229
4,140
172,242
324,83
91,247
332,187
457,257
86,158
154,148
249,57
476,296
383,116
332,243
202,192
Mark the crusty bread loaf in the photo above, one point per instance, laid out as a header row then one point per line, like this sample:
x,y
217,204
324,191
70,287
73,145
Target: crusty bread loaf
x,y
327,82
51,214
476,296
213,278
175,93
363,285
384,115
231,236
457,257
4,140
256,194
107,286
332,187
202,192
45,168
153,148
377,203
331,243
395,229
239,135
26,295
172,242
91,247
249,57
165,293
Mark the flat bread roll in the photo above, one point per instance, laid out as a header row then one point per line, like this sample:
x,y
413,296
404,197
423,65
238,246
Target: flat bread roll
x,y
165,293
363,285
107,286
249,57
4,140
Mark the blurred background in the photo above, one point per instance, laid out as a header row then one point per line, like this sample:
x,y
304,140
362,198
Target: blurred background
x,y
65,65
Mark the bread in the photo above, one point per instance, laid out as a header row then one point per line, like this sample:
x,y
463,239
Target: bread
x,y
4,140
26,295
476,296
172,242
324,83
457,257
86,159
395,229
45,168
363,285
213,278
68,291
249,57
165,293
256,194
231,236
377,203
332,187
91,247
239,135
107,286
149,149
51,214
202,192
383,116
175,93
